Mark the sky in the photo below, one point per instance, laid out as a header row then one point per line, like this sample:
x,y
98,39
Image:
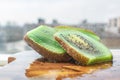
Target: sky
x,y
65,11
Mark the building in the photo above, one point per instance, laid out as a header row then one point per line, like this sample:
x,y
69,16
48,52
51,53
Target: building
x,y
41,21
113,22
118,24
54,23
2,35
114,25
12,32
28,26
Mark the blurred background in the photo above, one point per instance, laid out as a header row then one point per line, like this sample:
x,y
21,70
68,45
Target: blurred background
x,y
19,16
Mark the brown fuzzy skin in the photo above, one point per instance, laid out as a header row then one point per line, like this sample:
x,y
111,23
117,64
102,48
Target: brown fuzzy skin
x,y
46,53
73,53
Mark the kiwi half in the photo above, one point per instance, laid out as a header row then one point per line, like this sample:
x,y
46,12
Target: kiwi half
x,y
85,31
83,48
41,39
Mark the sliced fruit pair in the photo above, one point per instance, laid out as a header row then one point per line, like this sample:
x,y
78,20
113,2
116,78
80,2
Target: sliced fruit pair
x,y
83,48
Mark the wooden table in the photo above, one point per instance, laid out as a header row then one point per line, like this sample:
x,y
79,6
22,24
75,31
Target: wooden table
x,y
16,69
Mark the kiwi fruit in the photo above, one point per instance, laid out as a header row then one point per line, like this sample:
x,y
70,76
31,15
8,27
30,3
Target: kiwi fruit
x,y
84,49
85,31
41,39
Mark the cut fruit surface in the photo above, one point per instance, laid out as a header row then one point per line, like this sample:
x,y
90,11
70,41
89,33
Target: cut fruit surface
x,y
83,48
41,39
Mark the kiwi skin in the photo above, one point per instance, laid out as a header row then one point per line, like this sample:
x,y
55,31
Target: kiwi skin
x,y
46,53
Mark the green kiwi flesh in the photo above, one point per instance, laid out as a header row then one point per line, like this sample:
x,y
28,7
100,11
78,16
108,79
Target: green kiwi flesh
x,y
85,31
83,48
43,35
42,40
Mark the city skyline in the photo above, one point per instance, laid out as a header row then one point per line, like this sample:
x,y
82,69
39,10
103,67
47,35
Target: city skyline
x,y
71,12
